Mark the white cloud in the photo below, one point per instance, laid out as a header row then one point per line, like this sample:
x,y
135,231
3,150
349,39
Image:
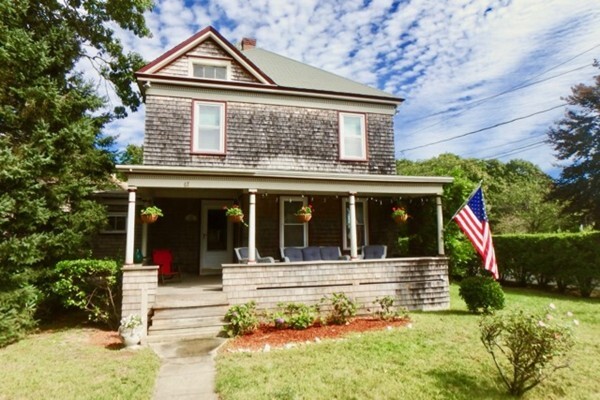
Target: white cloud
x,y
436,54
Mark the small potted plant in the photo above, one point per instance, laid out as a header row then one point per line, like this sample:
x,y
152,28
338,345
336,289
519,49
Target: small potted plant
x,y
304,214
150,214
131,330
234,213
399,214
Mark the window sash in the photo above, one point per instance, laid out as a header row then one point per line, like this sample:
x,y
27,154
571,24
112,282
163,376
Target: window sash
x,y
291,232
209,71
209,128
353,138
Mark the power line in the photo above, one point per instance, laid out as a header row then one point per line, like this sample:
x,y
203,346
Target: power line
x,y
521,86
518,150
504,144
484,129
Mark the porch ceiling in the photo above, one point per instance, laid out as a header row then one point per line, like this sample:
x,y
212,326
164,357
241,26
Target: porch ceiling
x,y
143,176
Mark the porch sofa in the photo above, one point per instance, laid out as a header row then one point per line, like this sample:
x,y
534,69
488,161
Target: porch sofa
x,y
312,253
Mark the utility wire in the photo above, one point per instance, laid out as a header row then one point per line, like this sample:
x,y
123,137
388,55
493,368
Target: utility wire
x,y
484,129
504,144
518,150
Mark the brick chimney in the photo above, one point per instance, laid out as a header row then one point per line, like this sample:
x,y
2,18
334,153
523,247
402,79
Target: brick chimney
x,y
248,43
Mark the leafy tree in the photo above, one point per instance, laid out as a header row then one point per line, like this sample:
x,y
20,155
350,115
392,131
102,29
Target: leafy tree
x,y
53,154
576,140
132,155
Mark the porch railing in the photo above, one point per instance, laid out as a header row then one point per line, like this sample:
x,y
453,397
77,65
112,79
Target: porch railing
x,y
418,283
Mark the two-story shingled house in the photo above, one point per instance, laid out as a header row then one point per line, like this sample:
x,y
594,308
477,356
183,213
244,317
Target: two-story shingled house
x,y
241,125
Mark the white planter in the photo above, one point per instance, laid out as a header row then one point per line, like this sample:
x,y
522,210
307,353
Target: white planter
x,y
131,337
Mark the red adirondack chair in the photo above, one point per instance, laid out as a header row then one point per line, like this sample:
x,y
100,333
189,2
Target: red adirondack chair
x,y
164,259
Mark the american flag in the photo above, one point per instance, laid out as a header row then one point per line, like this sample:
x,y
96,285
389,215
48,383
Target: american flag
x,y
473,221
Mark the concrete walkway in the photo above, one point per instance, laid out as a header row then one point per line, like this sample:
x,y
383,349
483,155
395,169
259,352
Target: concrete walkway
x,y
187,369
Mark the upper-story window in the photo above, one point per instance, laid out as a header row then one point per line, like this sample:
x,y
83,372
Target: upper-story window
x,y
208,132
210,69
353,137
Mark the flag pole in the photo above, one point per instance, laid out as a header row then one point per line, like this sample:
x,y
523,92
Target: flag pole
x,y
465,202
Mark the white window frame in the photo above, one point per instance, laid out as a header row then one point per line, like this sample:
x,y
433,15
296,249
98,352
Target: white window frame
x,y
363,126
346,238
210,63
282,223
196,145
110,230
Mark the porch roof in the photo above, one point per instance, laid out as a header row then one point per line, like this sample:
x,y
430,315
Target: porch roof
x,y
277,181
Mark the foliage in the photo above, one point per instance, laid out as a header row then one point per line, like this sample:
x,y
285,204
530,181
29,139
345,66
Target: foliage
x,y
305,210
481,294
342,308
399,212
17,310
242,319
91,286
295,315
233,210
575,141
53,153
526,347
152,210
564,258
386,309
516,199
132,155
130,322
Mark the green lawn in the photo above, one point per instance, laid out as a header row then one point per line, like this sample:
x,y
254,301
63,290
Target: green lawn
x,y
70,364
441,357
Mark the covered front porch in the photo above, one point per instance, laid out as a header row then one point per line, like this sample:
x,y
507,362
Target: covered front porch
x,y
349,211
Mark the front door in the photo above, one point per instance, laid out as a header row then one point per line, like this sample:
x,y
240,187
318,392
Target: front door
x,y
216,238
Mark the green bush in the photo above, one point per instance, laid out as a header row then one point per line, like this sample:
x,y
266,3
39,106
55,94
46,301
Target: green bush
x,y
342,309
481,294
526,348
242,319
91,286
17,310
564,258
387,311
295,315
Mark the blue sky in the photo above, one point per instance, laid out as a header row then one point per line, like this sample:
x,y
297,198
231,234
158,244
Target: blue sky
x,y
461,65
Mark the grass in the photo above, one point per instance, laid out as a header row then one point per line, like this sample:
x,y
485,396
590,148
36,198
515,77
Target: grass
x,y
441,357
67,364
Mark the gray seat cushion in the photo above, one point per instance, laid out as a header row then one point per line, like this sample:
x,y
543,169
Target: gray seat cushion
x,y
293,254
330,253
374,252
311,253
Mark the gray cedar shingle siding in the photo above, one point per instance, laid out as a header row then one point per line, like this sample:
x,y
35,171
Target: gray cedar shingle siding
x,y
208,48
265,137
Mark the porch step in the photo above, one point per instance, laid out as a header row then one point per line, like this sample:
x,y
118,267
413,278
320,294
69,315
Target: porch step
x,y
187,315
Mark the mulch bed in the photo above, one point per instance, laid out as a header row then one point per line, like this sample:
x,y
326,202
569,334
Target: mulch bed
x,y
277,338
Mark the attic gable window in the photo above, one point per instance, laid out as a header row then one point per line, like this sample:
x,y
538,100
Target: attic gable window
x,y
353,137
210,69
208,131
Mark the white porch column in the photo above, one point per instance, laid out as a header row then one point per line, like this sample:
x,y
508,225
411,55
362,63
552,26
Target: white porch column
x,y
145,240
440,225
252,227
353,245
130,226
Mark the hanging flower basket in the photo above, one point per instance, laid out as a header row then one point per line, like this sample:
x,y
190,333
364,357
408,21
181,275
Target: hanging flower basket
x,y
304,214
148,219
399,215
236,219
303,217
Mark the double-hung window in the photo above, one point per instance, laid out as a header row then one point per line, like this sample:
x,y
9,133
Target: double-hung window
x,y
208,133
353,137
291,232
116,223
362,228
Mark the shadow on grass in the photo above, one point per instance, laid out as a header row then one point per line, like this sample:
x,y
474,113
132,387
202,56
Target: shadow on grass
x,y
549,294
458,385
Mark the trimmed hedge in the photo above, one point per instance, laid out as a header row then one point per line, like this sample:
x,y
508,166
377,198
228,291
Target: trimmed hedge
x,y
567,259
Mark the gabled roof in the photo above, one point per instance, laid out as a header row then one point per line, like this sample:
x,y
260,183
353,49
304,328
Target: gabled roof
x,y
271,70
294,74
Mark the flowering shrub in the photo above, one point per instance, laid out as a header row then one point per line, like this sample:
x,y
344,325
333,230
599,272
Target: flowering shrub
x,y
342,309
295,315
527,348
130,322
242,319
305,210
481,294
